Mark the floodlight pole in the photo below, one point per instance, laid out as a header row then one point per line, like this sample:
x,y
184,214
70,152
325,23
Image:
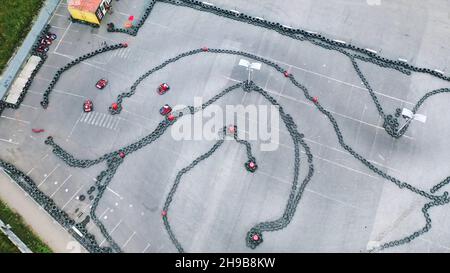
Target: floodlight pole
x,y
250,67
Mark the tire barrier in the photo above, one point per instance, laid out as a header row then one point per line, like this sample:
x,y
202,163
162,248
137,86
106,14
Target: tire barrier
x,y
440,185
391,124
255,235
298,34
46,95
133,30
30,187
73,20
2,106
43,56
114,159
25,89
37,43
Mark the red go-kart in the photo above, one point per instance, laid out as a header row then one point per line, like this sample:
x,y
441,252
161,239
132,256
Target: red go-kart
x,y
163,88
46,41
101,84
166,109
88,106
42,49
50,36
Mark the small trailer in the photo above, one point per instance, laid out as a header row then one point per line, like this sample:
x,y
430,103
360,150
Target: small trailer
x,y
89,11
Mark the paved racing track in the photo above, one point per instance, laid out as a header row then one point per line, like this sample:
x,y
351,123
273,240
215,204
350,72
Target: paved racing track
x,y
254,236
116,157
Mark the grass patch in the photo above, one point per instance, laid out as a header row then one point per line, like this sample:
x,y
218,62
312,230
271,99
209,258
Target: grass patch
x,y
6,246
15,23
21,230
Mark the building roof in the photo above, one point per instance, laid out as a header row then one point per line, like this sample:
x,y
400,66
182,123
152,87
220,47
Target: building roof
x,y
85,5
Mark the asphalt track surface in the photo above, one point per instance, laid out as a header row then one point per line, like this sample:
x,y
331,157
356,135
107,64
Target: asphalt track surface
x,y
344,208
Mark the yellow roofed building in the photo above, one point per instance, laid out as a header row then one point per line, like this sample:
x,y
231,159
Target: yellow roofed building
x,y
91,11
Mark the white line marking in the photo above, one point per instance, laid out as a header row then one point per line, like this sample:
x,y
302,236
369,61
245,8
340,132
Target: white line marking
x,y
30,171
337,80
51,66
74,126
63,55
110,121
104,117
98,62
72,197
116,125
61,185
60,27
104,121
89,64
340,41
53,15
327,197
19,120
86,116
104,38
207,3
9,141
100,120
91,116
67,93
117,54
101,117
112,231
338,114
128,53
100,216
57,166
29,106
372,50
345,167
145,249
43,79
333,199
64,34
116,121
352,85
35,92
122,53
129,239
309,104
118,195
96,115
